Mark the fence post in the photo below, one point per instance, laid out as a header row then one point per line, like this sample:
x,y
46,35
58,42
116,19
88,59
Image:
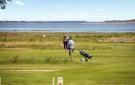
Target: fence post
x,y
53,81
0,80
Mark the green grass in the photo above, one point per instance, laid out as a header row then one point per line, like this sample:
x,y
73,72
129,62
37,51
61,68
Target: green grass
x,y
112,63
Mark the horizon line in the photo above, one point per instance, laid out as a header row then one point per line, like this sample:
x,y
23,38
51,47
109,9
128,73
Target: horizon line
x,y
66,20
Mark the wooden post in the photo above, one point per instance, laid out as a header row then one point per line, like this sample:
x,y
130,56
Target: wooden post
x,y
53,81
0,80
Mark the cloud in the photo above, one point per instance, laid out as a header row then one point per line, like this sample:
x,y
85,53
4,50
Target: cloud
x,y
20,3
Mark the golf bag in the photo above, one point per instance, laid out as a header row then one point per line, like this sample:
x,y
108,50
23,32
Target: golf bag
x,y
85,55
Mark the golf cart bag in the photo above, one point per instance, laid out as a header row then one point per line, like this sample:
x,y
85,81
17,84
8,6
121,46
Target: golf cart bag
x,y
85,56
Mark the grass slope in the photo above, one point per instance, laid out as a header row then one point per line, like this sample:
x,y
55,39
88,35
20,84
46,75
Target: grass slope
x,y
112,63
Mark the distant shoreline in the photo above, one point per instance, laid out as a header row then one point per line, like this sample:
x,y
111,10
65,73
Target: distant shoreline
x,y
107,21
57,31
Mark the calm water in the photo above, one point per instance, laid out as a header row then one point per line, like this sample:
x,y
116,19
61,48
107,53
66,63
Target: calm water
x,y
67,27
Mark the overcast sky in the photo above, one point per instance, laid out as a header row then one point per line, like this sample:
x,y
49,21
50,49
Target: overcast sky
x,y
63,10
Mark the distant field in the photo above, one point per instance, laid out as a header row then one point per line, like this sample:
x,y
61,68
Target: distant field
x,y
35,58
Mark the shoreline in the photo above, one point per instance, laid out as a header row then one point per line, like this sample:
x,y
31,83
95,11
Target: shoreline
x,y
58,31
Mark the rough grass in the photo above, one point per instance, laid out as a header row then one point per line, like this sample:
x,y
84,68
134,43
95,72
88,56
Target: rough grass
x,y
57,37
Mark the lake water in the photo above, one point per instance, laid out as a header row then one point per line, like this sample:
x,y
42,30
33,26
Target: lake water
x,y
67,27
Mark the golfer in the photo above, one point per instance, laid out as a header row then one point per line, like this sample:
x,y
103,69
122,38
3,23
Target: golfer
x,y
65,41
71,46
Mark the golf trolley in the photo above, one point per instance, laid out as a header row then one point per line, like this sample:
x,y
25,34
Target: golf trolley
x,y
85,56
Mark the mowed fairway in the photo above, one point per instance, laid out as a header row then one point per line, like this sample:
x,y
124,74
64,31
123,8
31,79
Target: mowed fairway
x,y
111,64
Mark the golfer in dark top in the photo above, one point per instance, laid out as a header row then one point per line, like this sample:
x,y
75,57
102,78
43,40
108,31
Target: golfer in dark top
x,y
65,42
